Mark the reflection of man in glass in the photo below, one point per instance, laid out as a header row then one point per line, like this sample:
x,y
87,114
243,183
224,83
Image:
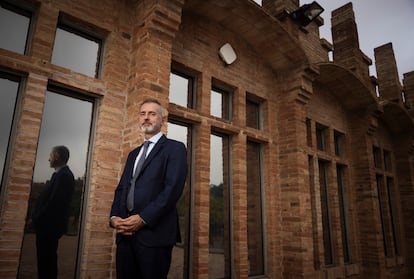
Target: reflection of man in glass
x,y
50,217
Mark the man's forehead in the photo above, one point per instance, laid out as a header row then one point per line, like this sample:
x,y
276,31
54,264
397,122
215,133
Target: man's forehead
x,y
150,107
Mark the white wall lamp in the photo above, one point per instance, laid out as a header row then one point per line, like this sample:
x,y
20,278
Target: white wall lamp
x,y
227,54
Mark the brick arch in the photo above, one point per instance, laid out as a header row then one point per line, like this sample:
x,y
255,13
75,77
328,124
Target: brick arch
x,y
346,86
265,34
397,120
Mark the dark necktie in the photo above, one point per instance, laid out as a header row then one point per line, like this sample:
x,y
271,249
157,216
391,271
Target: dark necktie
x,y
130,197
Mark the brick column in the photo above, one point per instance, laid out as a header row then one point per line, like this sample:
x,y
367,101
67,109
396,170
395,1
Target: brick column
x,y
19,177
368,249
151,45
346,43
239,185
201,206
408,82
389,85
405,174
294,183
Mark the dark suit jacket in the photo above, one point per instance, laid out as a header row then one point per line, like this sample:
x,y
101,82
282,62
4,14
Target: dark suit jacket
x,y
157,190
51,213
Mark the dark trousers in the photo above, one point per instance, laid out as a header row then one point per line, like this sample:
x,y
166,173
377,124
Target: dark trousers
x,y
136,261
46,248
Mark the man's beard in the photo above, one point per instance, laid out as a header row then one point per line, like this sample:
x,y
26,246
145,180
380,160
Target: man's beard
x,y
148,129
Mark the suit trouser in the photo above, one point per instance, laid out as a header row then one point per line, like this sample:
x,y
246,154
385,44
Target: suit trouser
x,y
136,261
46,248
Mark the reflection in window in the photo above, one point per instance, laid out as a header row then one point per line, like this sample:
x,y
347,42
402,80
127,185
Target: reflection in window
x,y
66,121
180,257
76,51
181,89
14,27
254,210
9,87
253,114
220,103
219,233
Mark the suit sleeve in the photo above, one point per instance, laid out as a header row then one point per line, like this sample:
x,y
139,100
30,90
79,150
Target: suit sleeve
x,y
122,185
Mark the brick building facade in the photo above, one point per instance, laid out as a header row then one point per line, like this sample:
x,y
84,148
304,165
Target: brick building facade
x,y
299,167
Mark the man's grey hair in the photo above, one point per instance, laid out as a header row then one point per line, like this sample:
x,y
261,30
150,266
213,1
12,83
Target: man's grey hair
x,y
153,100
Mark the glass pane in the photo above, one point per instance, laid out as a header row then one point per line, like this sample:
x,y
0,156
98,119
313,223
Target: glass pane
x,y
254,210
179,90
66,121
382,201
377,157
14,28
339,143
252,114
393,214
387,161
326,218
219,240
216,104
308,132
76,53
179,264
340,174
8,96
320,138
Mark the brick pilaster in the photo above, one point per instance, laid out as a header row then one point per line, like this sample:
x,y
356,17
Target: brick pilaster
x,y
389,85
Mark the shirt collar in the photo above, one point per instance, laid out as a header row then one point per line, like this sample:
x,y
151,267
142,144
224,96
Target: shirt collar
x,y
155,139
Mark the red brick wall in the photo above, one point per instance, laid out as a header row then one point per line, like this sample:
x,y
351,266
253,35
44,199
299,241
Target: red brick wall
x,y
142,39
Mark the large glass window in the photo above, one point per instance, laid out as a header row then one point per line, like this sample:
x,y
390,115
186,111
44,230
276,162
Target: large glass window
x,y
9,88
386,199
326,216
182,87
14,27
66,121
180,259
77,51
220,103
333,194
254,209
340,175
219,233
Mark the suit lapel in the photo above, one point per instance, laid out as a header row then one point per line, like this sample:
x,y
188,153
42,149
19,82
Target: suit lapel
x,y
157,147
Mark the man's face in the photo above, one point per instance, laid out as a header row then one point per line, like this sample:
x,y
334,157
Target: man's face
x,y
150,119
53,159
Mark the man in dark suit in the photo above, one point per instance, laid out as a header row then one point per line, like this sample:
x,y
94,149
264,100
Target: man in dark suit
x,y
145,217
51,214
